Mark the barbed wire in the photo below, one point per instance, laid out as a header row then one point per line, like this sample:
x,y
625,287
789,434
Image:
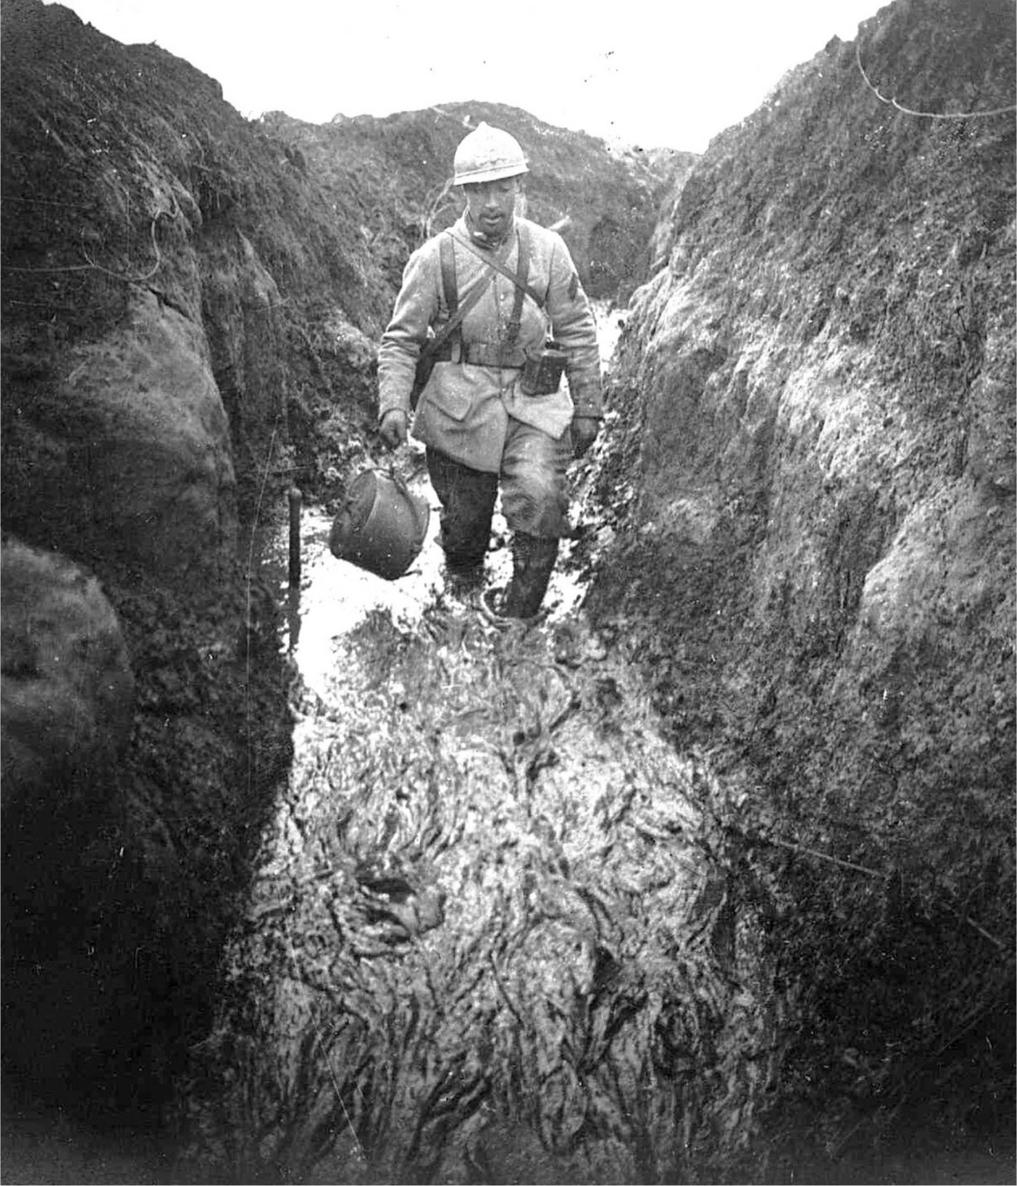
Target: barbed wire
x,y
925,114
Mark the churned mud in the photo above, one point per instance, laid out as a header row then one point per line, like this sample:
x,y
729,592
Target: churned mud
x,y
482,920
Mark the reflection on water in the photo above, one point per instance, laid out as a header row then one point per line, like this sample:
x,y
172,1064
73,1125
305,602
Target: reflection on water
x,y
333,596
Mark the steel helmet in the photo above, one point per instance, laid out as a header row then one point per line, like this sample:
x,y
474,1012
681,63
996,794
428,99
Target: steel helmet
x,y
487,154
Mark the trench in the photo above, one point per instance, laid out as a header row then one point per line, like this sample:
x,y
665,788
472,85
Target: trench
x,y
486,939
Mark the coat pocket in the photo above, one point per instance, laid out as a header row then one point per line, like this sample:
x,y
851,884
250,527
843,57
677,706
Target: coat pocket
x,y
461,414
448,397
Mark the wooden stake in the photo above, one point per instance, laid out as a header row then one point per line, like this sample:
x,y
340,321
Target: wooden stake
x,y
294,497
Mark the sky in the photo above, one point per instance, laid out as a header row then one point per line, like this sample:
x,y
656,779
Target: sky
x,y
645,72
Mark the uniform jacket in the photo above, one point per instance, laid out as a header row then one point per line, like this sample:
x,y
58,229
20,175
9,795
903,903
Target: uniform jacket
x,y
465,408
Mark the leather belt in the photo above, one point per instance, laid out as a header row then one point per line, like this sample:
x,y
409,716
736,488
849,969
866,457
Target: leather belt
x,y
478,356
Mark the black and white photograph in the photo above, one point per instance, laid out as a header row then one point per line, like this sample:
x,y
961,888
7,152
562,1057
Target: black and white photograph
x,y
508,592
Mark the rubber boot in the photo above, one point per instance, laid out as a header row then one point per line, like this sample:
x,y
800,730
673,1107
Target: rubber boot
x,y
533,559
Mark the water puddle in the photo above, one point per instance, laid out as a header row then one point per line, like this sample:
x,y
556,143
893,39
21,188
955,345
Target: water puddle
x,y
334,596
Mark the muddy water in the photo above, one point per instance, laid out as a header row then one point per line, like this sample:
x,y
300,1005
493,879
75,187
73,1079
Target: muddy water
x,y
484,940
335,596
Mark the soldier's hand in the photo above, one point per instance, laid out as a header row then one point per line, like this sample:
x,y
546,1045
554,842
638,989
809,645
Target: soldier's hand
x,y
584,433
393,428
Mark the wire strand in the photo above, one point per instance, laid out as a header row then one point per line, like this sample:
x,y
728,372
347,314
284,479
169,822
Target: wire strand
x,y
92,265
123,276
924,114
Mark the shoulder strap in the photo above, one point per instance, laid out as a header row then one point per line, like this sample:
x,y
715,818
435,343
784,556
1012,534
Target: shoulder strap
x,y
458,311
448,274
450,288
520,278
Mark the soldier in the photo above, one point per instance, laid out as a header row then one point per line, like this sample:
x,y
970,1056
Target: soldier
x,y
502,297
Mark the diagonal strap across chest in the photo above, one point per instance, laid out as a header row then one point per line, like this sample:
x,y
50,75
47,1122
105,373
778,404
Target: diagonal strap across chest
x,y
520,278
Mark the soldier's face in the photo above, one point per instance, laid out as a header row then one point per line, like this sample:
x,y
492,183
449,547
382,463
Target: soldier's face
x,y
491,204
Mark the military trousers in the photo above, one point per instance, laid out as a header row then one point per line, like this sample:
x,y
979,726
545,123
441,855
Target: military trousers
x,y
534,493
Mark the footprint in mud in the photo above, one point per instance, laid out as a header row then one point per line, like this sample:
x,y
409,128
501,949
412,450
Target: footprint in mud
x,y
390,898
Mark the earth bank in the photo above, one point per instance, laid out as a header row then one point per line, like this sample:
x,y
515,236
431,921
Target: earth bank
x,y
813,430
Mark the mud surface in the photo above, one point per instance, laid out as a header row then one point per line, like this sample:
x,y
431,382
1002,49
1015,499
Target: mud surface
x,y
483,923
